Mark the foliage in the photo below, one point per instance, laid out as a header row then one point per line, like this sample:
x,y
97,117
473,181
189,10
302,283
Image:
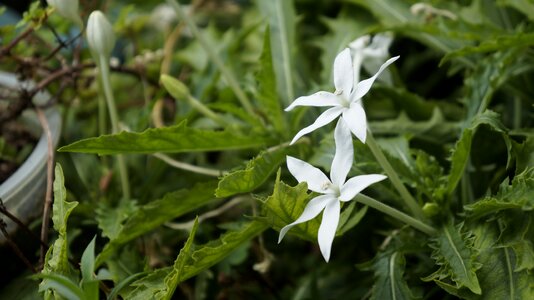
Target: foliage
x,y
204,139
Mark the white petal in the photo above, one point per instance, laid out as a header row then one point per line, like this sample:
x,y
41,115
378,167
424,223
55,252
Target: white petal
x,y
365,85
327,230
312,209
304,172
356,120
317,99
326,117
344,154
343,76
357,184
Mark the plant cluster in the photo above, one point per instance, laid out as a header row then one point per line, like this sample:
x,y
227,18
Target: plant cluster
x,y
211,153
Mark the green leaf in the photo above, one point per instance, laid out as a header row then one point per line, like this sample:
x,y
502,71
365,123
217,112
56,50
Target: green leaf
x,y
460,153
111,219
518,195
348,219
175,276
456,256
253,176
389,278
285,205
56,259
87,267
268,99
281,17
524,154
497,277
201,259
174,139
62,285
156,213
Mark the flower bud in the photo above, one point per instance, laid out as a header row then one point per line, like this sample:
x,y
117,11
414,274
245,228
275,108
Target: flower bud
x,y
68,9
175,87
100,36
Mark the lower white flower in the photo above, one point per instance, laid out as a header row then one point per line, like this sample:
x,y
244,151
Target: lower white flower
x,y
334,190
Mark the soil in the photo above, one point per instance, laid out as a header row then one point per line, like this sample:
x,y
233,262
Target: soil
x,y
17,142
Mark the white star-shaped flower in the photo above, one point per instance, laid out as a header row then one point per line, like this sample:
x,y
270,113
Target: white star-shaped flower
x,y
334,190
371,53
345,101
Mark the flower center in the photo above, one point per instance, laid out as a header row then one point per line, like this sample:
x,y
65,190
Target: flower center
x,y
329,186
344,101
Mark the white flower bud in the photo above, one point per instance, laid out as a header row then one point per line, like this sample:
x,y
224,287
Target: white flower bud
x,y
68,9
100,36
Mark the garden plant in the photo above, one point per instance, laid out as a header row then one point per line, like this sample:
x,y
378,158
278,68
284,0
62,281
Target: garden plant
x,y
276,149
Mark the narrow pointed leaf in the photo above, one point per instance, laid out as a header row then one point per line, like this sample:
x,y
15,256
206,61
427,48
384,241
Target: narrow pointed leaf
x,y
174,139
389,278
156,213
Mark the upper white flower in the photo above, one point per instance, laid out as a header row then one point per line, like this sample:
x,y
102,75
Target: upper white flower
x,y
345,101
334,190
100,35
371,53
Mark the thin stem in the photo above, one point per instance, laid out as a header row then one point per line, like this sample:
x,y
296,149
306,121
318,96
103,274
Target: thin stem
x,y
49,182
203,109
392,212
210,50
395,180
189,167
104,73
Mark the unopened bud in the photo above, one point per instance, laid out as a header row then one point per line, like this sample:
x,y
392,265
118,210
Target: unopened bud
x,y
175,87
100,36
68,9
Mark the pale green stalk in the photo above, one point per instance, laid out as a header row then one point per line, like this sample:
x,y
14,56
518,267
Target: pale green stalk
x,y
392,212
393,177
203,109
210,50
105,78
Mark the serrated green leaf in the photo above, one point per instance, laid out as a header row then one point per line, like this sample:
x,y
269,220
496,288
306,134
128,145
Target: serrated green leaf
x,y
524,154
202,258
497,276
389,278
111,219
281,17
518,195
56,259
156,213
456,256
253,176
61,209
174,139
517,232
268,99
285,205
175,276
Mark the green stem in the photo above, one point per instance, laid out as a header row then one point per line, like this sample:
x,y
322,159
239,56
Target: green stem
x,y
210,50
203,109
392,175
113,115
392,212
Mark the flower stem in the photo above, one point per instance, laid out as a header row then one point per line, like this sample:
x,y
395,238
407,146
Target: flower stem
x,y
210,50
203,109
113,115
388,210
395,180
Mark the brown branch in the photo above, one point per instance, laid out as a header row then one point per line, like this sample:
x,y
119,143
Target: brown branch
x,y
15,248
49,182
17,221
5,51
